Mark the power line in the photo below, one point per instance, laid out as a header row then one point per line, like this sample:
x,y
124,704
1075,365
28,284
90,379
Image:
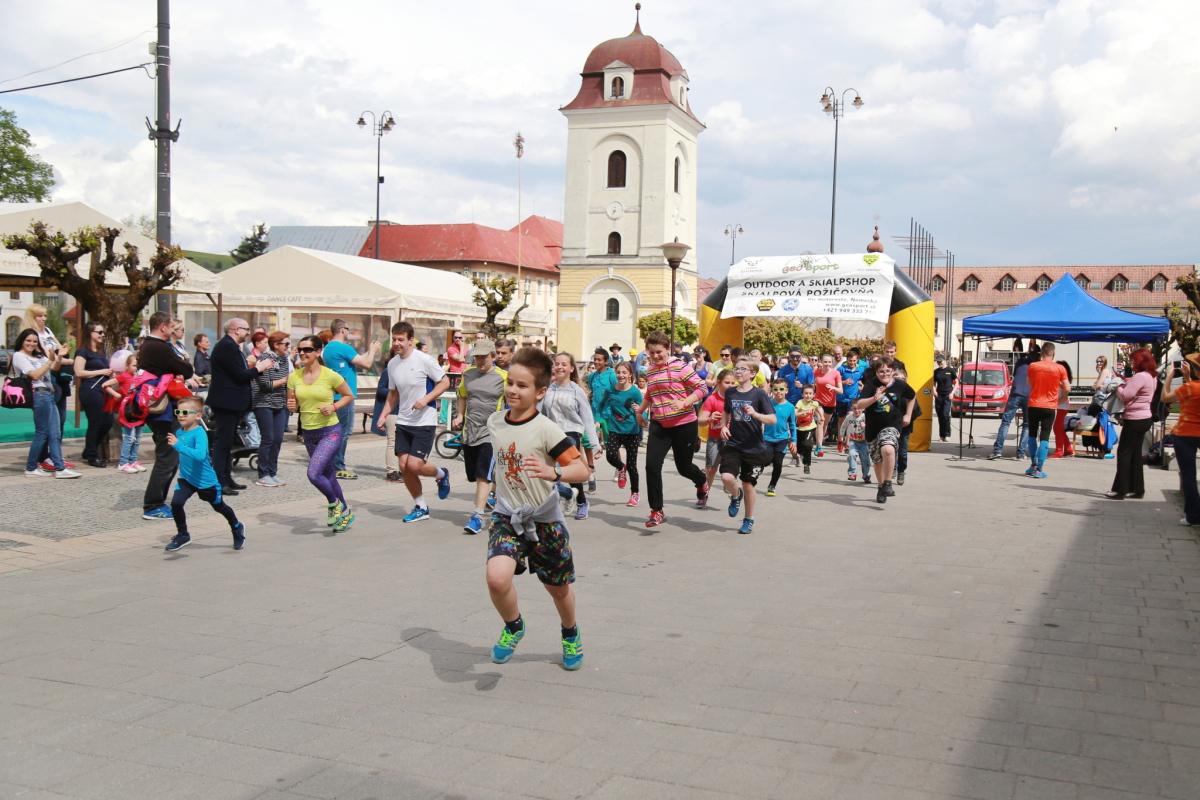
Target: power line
x,y
76,58
81,78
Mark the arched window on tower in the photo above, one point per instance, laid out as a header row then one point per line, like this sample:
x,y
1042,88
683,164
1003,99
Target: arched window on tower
x,y
616,170
678,166
612,310
614,244
618,88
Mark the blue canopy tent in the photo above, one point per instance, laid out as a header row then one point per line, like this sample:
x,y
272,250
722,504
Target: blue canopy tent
x,y
1063,313
1066,313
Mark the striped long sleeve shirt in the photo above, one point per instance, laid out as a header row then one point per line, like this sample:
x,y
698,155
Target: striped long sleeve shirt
x,y
668,384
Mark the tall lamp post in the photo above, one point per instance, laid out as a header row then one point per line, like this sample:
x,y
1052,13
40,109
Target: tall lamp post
x,y
674,252
836,106
379,126
519,146
732,231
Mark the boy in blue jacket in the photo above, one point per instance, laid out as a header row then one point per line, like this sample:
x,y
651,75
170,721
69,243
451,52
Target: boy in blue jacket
x,y
196,475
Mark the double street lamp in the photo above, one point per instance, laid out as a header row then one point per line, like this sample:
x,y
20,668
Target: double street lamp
x,y
832,104
379,126
732,231
674,252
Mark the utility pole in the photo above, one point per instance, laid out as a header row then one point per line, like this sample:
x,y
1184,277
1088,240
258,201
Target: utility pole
x,y
162,134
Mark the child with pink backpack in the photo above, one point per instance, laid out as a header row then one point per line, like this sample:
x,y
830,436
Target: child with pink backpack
x,y
125,370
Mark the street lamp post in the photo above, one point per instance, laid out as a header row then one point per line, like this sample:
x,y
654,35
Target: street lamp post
x,y
379,126
674,252
836,106
732,231
519,146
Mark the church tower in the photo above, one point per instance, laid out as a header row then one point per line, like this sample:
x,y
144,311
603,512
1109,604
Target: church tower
x,y
630,187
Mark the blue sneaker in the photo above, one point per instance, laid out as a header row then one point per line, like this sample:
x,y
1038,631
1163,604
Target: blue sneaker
x,y
572,651
582,511
178,541
474,524
503,649
239,536
735,503
417,514
158,512
443,485
491,501
747,526
1040,474
1030,471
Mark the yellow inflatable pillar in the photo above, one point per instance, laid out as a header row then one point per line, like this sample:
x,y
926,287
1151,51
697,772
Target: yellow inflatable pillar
x,y
911,327
715,332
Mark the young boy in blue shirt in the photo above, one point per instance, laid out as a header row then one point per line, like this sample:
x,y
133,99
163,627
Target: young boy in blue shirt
x,y
196,475
781,436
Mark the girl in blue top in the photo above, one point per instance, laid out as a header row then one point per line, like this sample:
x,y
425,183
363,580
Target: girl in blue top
x,y
196,475
620,411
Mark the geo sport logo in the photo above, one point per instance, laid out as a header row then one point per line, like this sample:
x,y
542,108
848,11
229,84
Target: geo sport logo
x,y
766,305
871,258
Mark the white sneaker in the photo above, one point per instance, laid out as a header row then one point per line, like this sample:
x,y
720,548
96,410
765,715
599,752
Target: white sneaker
x,y
137,465
66,473
278,481
265,481
38,472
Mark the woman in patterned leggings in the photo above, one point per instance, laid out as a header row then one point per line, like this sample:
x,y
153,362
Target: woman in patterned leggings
x,y
310,391
620,413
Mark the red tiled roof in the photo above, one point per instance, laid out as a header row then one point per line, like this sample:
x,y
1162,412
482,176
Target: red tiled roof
x,y
989,293
704,287
541,246
653,67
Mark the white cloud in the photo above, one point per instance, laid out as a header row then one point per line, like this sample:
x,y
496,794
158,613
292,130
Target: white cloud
x,y
981,117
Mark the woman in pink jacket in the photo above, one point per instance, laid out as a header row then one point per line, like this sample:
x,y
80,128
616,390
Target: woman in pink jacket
x,y
1137,393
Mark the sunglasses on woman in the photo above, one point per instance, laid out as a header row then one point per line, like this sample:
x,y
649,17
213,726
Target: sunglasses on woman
x,y
303,350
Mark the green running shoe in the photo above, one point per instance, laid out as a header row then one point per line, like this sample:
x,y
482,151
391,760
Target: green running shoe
x,y
502,651
572,652
335,511
344,521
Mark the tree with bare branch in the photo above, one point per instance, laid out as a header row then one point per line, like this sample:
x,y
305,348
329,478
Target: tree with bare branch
x,y
494,296
116,307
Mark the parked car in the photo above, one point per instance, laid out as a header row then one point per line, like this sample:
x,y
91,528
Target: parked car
x,y
5,359
983,388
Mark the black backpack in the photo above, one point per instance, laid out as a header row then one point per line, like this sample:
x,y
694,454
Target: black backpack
x,y
1157,412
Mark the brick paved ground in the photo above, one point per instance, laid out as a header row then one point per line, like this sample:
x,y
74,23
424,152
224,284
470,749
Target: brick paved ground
x,y
982,636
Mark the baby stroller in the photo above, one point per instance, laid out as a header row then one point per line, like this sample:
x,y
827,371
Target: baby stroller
x,y
244,445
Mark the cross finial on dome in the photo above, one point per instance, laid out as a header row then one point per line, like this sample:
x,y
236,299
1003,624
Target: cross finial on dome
x,y
637,21
875,246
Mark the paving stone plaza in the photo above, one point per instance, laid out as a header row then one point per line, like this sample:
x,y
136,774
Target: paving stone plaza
x,y
983,635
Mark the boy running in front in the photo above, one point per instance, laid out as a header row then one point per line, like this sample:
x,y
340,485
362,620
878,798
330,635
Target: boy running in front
x,y
532,455
196,475
747,410
781,436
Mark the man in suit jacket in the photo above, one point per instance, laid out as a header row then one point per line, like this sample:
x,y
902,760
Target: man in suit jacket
x,y
229,396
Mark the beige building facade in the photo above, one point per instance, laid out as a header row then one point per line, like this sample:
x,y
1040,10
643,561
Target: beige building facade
x,y
630,186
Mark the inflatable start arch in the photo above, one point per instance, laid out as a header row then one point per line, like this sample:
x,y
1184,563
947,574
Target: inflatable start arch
x,y
852,286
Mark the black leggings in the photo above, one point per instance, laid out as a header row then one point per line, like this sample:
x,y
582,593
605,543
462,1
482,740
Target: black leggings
x,y
1041,423
184,492
580,495
779,451
631,442
805,441
99,423
681,441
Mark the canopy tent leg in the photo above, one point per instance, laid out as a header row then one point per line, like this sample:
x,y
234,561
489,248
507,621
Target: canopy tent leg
x,y
960,456
974,390
78,343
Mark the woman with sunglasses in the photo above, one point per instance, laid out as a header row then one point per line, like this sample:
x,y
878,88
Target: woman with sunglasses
x,y
30,360
269,404
310,391
92,370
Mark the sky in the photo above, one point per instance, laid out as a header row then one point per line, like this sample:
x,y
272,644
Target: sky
x,y
1017,132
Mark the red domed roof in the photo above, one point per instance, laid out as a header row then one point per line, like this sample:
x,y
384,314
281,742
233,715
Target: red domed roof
x,y
638,50
653,67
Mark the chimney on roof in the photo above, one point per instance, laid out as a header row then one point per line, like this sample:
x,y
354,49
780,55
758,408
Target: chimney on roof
x,y
875,246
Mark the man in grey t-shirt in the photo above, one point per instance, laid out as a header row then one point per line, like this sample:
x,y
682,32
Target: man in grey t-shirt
x,y
480,394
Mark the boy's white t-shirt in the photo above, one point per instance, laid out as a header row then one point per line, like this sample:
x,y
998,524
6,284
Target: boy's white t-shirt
x,y
512,443
412,378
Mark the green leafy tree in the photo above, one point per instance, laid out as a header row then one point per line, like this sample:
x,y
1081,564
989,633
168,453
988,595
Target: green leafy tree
x,y
116,307
1185,318
686,331
774,336
494,296
24,177
251,246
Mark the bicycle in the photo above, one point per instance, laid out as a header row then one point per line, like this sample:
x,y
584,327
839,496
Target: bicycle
x,y
448,444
